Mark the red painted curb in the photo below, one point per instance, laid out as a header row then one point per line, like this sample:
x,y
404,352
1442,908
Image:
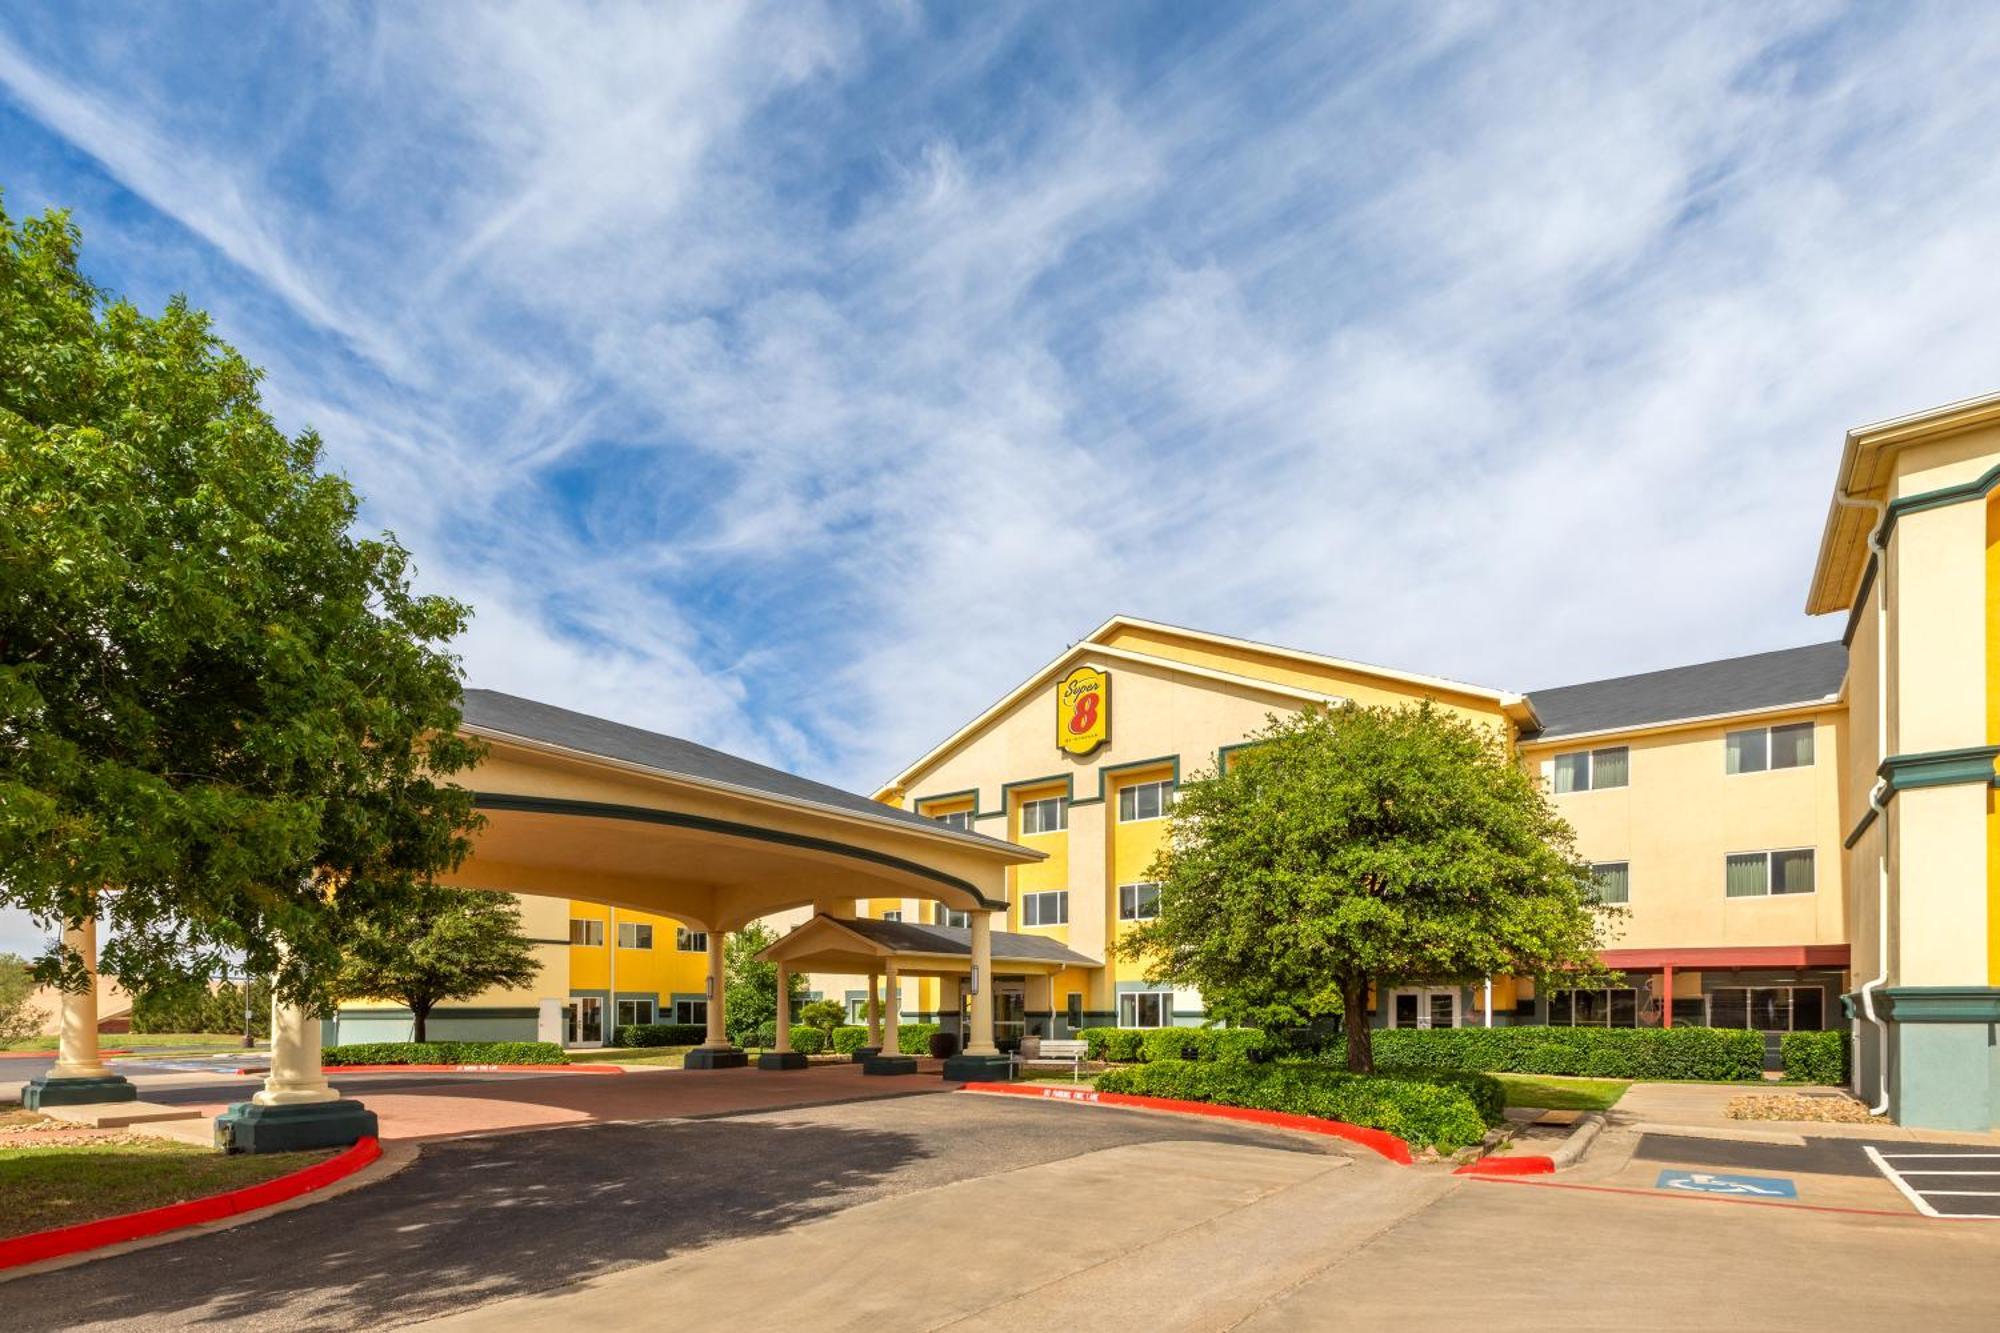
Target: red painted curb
x,y
1380,1141
60,1241
1508,1166
456,1069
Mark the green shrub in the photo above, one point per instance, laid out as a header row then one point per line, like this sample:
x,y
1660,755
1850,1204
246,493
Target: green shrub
x,y
660,1034
1118,1045
447,1053
848,1040
1126,1045
1173,1044
809,1041
914,1038
1815,1057
1488,1093
767,1034
1721,1054
1423,1111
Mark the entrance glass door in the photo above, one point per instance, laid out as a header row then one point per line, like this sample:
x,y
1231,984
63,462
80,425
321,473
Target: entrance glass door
x,y
583,1021
1010,1011
1435,1007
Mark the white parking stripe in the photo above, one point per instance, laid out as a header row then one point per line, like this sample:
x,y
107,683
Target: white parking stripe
x,y
1899,1177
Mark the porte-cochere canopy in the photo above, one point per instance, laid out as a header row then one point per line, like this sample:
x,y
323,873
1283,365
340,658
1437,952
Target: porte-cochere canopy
x,y
864,946
580,807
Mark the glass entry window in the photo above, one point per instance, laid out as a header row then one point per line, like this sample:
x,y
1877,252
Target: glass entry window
x,y
583,1021
1146,1009
1010,1011
1768,1008
1614,1008
1436,1007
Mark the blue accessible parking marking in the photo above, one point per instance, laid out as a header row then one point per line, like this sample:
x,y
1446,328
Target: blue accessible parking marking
x,y
1749,1187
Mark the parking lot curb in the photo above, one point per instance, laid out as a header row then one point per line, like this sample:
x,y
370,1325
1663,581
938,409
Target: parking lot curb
x,y
457,1069
1567,1154
84,1238
1379,1141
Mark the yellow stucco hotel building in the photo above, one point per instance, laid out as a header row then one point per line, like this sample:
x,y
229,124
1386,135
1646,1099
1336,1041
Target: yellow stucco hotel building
x,y
1803,838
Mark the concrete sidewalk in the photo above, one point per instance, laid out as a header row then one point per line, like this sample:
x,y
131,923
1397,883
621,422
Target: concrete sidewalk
x,y
1172,1234
1698,1110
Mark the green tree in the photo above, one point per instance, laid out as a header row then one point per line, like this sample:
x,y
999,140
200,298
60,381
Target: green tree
x,y
19,1018
750,994
1350,847
441,944
218,703
825,1015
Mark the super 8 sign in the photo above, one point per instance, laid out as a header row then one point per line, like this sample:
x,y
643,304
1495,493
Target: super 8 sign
x,y
1083,710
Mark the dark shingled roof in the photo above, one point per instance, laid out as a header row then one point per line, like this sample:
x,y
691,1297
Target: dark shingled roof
x,y
915,937
1740,684
514,716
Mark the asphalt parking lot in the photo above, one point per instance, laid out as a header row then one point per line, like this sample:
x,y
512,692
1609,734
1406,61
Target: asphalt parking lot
x,y
482,1219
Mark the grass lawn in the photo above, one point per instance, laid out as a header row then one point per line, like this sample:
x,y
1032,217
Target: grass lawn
x,y
56,1185
669,1056
140,1041
1563,1094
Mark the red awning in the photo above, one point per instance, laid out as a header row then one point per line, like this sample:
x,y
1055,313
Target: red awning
x,y
1752,956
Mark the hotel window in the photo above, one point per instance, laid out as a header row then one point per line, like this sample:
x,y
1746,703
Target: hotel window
x,y
587,933
634,1012
1768,1008
1146,1009
1138,902
1045,909
945,916
1593,770
1761,748
958,819
1145,800
1614,881
893,914
1615,1008
1768,874
691,1011
1048,815
635,935
690,941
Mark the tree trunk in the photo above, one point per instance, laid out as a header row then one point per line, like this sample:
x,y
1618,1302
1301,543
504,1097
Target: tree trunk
x,y
1354,1022
422,1013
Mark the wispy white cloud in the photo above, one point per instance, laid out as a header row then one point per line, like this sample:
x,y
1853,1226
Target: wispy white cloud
x,y
797,378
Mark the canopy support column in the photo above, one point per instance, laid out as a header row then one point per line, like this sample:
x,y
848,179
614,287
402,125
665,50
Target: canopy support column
x,y
80,1077
981,1060
297,1108
781,1055
716,1052
890,1059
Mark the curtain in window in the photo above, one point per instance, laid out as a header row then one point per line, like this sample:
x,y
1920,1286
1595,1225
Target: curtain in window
x,y
1746,751
1748,876
1792,872
1792,747
1614,881
1609,768
1572,773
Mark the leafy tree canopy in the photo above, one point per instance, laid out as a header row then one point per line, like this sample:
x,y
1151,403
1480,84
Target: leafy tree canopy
x,y
217,703
438,944
750,994
20,1018
1351,847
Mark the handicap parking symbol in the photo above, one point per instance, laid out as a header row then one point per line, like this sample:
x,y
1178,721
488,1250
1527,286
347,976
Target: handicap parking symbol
x,y
1703,1182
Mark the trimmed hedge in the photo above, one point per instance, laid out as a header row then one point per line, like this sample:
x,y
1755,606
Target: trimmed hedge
x,y
659,1034
914,1038
446,1053
1438,1113
1721,1054
848,1040
809,1041
767,1034
1816,1057
1127,1045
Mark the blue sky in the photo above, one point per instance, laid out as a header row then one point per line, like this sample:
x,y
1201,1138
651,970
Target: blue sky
x,y
799,378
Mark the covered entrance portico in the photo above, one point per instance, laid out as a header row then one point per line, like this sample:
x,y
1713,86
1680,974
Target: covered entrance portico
x,y
578,807
968,961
